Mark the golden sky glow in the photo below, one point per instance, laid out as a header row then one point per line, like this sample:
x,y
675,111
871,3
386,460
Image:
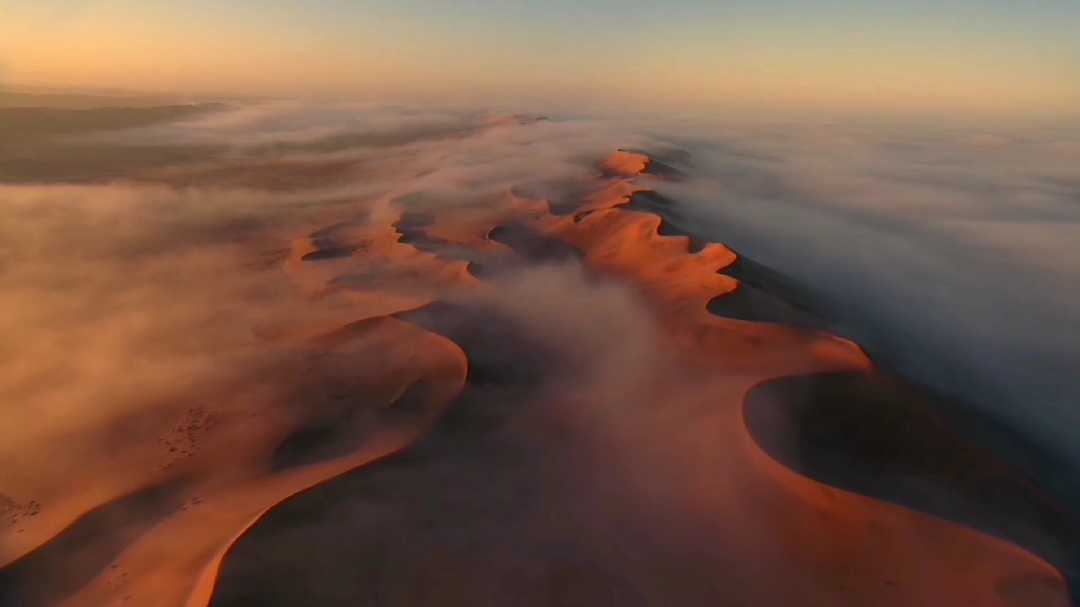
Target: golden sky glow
x,y
772,53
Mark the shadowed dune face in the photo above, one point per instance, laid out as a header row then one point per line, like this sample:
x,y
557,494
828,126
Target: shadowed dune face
x,y
347,355
82,551
856,431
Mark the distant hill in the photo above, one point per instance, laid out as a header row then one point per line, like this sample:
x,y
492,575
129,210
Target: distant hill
x,y
81,101
20,123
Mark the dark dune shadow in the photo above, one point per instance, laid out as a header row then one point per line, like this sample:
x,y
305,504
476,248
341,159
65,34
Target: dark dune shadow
x,y
754,305
665,154
579,217
411,226
764,279
529,247
498,349
563,197
882,437
480,270
326,248
339,413
411,221
72,559
329,246
339,430
671,220
651,201
769,289
654,165
532,246
314,442
663,170
666,229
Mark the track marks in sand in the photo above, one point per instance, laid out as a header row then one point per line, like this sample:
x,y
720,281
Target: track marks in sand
x,y
183,439
13,512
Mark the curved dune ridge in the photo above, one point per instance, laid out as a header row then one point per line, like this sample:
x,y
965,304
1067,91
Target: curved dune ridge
x,y
471,434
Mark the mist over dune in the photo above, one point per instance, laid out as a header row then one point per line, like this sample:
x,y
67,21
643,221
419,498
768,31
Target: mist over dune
x,y
949,254
411,343
168,256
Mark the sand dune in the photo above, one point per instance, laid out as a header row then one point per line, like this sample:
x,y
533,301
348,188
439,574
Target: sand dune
x,y
407,377
582,397
821,545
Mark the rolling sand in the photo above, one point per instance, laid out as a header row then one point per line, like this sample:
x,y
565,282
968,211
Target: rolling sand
x,y
698,497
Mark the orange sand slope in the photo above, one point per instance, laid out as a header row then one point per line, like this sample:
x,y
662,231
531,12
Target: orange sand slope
x,y
662,416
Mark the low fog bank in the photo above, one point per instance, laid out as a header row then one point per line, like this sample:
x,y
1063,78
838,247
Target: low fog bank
x,y
953,256
127,284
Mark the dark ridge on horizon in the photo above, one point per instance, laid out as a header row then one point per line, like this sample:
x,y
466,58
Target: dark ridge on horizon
x,y
370,139
94,164
19,123
72,100
38,144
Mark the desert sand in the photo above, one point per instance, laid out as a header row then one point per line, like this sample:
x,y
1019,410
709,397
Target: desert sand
x,y
436,447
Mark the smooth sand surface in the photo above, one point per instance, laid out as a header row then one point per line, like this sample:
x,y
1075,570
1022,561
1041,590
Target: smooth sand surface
x,y
632,460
